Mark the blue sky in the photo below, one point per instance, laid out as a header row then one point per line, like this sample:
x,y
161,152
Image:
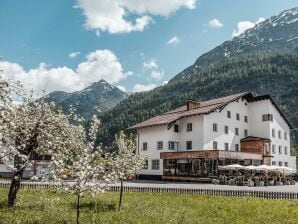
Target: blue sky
x,y
37,38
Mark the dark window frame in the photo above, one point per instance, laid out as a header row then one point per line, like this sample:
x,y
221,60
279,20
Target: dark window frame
x,y
189,127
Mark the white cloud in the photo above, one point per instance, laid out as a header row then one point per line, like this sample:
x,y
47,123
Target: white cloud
x,y
142,88
121,88
173,41
74,54
215,23
100,64
111,16
245,25
150,64
157,75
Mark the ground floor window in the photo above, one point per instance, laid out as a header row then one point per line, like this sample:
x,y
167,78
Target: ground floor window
x,y
189,145
145,167
286,164
214,144
273,163
155,164
236,147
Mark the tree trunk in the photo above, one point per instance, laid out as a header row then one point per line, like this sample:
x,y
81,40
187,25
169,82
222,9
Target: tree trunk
x,y
14,187
121,193
78,209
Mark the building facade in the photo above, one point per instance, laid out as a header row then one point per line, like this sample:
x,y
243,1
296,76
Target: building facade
x,y
192,140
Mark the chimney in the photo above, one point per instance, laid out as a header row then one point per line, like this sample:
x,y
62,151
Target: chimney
x,y
192,104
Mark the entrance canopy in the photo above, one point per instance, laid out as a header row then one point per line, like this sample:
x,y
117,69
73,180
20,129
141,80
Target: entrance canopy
x,y
211,154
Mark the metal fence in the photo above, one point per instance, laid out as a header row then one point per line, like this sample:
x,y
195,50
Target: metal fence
x,y
208,192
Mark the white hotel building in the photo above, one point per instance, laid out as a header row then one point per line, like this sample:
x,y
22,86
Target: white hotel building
x,y
191,141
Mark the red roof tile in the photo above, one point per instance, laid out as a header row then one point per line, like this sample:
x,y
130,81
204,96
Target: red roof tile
x,y
180,112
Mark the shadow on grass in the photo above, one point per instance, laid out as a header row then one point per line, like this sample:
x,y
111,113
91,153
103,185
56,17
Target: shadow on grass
x,y
3,204
98,206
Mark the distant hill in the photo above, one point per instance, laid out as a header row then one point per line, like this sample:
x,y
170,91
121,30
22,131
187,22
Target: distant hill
x,y
100,96
263,73
278,33
263,60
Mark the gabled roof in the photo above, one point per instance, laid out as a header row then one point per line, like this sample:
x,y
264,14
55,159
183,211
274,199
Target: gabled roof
x,y
205,107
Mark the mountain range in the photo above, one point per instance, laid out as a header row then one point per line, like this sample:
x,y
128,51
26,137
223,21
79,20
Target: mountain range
x,y
98,97
262,60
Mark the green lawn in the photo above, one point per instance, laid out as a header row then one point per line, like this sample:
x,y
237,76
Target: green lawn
x,y
47,207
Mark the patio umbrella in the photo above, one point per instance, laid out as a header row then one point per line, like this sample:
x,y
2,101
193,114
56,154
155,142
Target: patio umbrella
x,y
233,167
287,169
275,168
221,167
250,167
263,167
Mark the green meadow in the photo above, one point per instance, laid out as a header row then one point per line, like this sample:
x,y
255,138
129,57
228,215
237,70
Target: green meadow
x,y
47,207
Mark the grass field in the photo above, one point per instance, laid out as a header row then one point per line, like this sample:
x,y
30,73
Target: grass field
x,y
47,207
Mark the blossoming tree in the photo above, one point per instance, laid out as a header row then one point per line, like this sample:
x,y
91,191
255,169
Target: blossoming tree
x,y
127,163
31,127
89,168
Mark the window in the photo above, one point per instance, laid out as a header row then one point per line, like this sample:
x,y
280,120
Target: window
x,y
229,114
214,127
236,147
238,117
285,136
286,150
226,146
279,134
173,145
176,128
189,145
267,149
286,164
145,146
267,117
273,133
273,149
214,144
280,163
159,145
236,131
279,149
226,130
273,163
189,127
245,119
145,167
155,164
245,133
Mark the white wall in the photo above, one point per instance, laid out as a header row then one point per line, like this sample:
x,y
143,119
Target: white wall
x,y
152,135
202,135
261,128
221,119
196,135
161,133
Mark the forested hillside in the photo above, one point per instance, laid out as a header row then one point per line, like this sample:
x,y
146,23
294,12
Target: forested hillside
x,y
261,73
